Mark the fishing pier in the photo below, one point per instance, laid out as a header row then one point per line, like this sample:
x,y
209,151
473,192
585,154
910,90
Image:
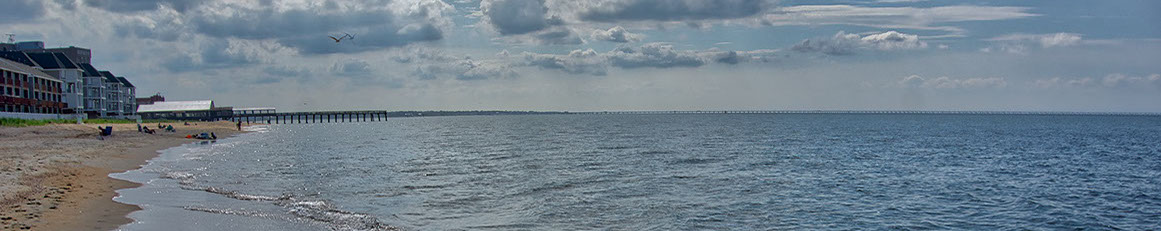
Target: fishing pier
x,y
311,117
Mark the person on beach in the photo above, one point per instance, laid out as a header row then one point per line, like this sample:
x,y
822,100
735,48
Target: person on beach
x,y
239,125
105,131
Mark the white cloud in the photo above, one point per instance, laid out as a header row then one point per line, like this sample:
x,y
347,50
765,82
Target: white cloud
x,y
576,62
665,10
520,17
432,64
898,1
1018,49
944,82
843,43
892,17
617,34
1045,40
1115,80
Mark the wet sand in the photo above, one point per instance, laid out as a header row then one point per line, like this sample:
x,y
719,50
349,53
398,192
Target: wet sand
x,y
55,177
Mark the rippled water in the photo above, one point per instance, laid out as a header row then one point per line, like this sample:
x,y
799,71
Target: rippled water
x,y
666,172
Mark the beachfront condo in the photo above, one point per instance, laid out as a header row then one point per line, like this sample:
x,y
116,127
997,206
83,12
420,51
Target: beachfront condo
x,y
27,89
94,91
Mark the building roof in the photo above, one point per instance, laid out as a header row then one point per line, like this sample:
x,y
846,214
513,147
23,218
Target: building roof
x,y
253,109
44,60
173,106
20,67
65,61
17,56
90,71
109,77
125,81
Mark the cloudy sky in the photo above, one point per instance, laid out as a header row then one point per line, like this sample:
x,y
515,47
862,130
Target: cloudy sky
x,y
619,54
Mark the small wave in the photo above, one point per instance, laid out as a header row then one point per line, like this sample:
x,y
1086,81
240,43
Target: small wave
x,y
314,210
657,152
257,128
182,178
229,212
322,211
177,175
694,161
415,187
246,197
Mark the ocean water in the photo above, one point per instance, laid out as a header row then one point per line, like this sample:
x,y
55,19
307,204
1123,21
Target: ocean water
x,y
664,172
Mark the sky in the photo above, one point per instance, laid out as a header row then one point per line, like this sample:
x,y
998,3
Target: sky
x,y
565,55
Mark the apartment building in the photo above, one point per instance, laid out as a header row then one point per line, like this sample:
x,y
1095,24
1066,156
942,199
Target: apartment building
x,y
26,89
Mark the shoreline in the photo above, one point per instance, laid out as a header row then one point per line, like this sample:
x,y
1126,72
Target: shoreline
x,y
62,172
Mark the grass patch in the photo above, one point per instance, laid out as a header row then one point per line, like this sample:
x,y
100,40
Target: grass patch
x,y
13,122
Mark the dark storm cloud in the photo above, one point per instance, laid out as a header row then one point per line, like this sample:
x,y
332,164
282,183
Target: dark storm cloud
x,y
130,6
213,55
14,11
673,10
651,55
265,24
558,37
729,57
307,31
164,29
510,17
376,38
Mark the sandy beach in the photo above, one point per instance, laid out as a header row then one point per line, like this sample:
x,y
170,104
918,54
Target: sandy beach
x,y
55,177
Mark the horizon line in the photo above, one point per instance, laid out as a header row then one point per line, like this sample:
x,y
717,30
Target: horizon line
x,y
958,112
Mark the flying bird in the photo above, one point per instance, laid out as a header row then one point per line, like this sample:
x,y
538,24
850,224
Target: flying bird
x,y
340,38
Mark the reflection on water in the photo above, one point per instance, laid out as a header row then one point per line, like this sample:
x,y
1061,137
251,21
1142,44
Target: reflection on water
x,y
665,172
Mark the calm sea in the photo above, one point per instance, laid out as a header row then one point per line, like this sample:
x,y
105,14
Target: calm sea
x,y
664,172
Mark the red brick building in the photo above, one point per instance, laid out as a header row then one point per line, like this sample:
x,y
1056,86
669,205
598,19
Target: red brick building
x,y
152,99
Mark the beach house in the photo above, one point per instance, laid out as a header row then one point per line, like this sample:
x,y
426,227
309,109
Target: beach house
x,y
203,110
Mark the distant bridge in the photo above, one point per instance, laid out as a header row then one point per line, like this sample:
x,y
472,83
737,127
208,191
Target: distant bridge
x,y
870,112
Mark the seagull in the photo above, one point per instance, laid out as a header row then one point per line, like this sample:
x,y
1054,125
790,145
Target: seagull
x,y
340,38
